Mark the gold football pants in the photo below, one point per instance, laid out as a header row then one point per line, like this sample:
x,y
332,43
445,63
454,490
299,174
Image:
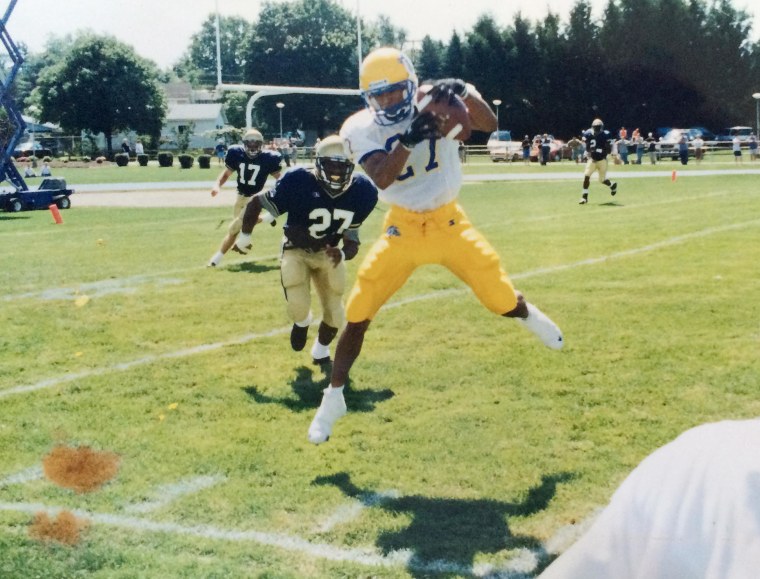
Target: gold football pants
x,y
299,269
444,237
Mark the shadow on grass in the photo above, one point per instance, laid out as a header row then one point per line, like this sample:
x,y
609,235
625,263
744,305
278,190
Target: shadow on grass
x,y
13,217
307,387
446,535
254,266
611,204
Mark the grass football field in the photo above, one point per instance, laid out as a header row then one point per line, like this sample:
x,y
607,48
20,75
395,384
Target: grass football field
x,y
469,448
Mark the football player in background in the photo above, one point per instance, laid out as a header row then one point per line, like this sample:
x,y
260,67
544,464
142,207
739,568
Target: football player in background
x,y
253,167
419,175
326,206
598,144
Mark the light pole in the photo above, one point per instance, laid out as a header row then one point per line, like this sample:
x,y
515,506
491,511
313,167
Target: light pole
x,y
496,103
280,106
756,96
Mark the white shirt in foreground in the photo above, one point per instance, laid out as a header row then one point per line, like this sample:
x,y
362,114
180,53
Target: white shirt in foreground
x,y
690,510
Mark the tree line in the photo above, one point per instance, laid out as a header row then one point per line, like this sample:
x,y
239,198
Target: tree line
x,y
644,63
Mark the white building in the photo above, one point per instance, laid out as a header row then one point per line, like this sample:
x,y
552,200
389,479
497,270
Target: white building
x,y
200,118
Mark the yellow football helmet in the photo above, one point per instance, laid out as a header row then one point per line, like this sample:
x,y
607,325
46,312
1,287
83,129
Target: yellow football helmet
x,y
333,165
597,126
253,140
384,70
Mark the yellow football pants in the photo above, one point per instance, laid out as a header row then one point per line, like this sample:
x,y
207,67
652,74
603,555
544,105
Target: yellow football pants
x,y
444,237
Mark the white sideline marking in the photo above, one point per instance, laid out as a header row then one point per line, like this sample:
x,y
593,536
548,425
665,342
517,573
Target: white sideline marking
x,y
204,348
525,561
116,285
169,493
23,476
349,512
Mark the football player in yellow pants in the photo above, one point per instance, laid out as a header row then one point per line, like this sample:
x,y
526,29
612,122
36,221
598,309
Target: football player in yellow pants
x,y
419,175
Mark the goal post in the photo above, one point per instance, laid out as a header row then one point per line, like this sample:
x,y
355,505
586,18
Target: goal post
x,y
263,90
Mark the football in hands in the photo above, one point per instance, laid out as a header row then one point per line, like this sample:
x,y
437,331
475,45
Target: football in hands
x,y
452,115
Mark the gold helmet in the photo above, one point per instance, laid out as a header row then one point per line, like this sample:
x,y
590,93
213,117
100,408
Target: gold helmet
x,y
333,165
253,140
597,126
384,70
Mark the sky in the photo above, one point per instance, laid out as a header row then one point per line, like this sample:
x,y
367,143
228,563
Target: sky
x,y
161,29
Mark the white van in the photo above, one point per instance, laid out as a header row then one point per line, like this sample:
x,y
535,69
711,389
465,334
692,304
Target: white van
x,y
501,147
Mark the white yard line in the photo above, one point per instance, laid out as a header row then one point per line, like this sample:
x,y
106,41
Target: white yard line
x,y
525,562
23,476
348,512
204,348
167,494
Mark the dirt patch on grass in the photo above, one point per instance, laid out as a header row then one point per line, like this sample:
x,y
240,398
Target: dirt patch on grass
x,y
80,469
65,528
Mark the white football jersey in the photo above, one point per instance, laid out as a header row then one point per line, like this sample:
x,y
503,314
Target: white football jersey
x,y
690,509
433,175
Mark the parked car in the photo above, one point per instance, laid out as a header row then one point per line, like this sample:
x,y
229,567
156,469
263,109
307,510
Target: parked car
x,y
501,147
30,148
557,149
669,143
729,133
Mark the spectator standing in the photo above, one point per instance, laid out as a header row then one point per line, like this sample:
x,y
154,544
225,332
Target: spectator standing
x,y
698,143
546,147
220,150
638,141
683,149
752,145
652,148
736,146
526,144
125,146
622,147
45,170
576,149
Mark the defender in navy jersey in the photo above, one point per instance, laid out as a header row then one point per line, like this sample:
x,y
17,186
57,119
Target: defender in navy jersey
x,y
253,167
325,207
598,143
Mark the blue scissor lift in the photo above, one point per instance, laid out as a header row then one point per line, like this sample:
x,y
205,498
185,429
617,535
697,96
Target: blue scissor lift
x,y
50,191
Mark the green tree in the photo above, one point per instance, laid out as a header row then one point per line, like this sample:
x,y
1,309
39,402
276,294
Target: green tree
x,y
101,85
429,64
234,108
304,43
453,61
198,65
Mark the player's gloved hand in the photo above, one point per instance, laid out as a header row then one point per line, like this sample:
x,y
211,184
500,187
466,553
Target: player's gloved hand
x,y
455,85
243,243
424,126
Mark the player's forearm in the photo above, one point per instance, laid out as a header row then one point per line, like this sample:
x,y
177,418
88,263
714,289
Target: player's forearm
x,y
251,215
383,168
481,115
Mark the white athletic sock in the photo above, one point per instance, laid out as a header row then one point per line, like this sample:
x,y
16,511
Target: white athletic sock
x,y
319,351
217,258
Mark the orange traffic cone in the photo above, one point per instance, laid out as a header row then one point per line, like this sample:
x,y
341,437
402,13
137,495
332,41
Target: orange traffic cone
x,y
673,176
56,214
